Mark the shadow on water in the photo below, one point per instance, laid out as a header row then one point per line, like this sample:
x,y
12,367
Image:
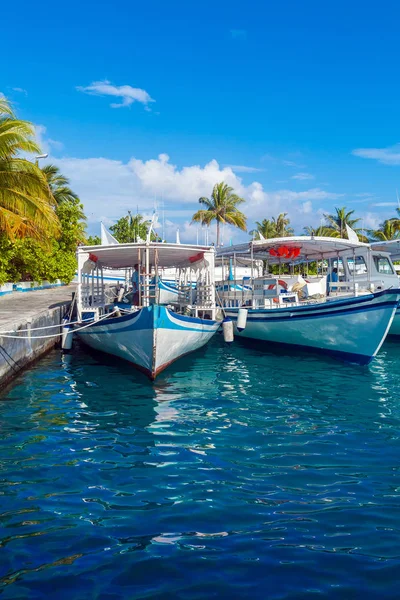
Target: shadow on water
x,y
237,471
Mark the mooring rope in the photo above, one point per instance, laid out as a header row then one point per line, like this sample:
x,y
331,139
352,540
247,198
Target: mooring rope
x,y
42,337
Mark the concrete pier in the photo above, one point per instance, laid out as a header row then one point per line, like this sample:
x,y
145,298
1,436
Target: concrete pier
x,y
23,312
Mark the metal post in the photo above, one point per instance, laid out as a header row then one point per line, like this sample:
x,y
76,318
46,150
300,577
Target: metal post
x,y
140,277
252,273
234,275
147,276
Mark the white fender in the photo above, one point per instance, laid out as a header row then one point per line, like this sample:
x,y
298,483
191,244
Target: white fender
x,y
66,336
242,319
227,328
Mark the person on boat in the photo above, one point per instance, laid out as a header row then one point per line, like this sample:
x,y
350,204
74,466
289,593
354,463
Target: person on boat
x,y
332,278
135,285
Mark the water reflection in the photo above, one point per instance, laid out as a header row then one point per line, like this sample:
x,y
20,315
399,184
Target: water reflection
x,y
255,470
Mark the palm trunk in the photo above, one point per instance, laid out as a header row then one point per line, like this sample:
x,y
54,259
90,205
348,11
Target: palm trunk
x,y
217,234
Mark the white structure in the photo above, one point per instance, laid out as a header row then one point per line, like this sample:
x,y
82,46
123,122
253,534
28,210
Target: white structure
x,y
392,247
150,335
346,311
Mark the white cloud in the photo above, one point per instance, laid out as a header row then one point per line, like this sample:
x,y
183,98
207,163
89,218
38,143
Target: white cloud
x,y
46,143
291,163
370,221
386,156
126,93
108,188
303,176
306,207
244,169
385,204
20,90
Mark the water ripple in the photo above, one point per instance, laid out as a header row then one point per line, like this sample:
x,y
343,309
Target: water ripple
x,y
239,474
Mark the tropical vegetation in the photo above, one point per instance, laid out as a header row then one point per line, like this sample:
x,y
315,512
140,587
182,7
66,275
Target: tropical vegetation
x,y
222,208
275,227
59,185
388,230
41,218
26,201
132,229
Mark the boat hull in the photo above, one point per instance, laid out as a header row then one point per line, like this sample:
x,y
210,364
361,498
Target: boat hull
x,y
151,338
395,327
352,329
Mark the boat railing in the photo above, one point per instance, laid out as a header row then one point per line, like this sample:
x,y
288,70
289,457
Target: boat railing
x,y
205,297
233,292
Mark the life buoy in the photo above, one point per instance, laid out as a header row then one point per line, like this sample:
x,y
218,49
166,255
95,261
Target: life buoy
x,y
280,282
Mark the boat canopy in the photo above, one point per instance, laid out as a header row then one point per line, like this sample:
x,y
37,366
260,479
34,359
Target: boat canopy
x,y
127,255
391,246
294,249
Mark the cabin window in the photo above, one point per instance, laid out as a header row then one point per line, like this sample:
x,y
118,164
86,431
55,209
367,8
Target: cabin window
x,y
383,265
360,266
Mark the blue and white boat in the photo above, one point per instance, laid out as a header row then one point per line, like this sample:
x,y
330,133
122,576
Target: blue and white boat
x,y
150,335
391,248
346,318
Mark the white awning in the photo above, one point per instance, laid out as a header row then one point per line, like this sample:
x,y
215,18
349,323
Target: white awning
x,y
310,248
127,255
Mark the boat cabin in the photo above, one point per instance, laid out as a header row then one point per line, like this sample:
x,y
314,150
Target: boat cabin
x,y
344,267
96,296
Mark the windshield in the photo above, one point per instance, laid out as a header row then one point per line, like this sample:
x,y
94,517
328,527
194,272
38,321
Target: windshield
x,y
360,266
382,265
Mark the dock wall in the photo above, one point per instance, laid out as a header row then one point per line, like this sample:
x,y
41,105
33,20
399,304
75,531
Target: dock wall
x,y
15,354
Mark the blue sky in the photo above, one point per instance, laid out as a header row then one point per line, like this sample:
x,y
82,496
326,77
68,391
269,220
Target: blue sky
x,y
295,104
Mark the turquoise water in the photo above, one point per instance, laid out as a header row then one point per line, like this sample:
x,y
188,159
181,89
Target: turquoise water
x,y
237,474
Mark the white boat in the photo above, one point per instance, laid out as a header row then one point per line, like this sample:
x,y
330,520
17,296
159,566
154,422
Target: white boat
x,y
348,318
149,335
391,247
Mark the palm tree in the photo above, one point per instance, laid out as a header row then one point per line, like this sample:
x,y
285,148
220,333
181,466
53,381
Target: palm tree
x,y
26,202
58,184
337,222
221,207
282,225
388,230
321,231
131,229
266,228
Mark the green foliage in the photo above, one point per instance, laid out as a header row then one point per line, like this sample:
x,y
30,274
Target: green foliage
x,y
28,260
93,240
222,208
58,184
132,229
388,230
26,201
336,224
6,255
276,227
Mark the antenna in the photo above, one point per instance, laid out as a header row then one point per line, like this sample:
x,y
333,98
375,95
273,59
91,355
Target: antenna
x,y
163,216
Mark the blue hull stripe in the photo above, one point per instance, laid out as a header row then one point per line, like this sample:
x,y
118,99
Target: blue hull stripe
x,y
294,316
329,305
147,319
